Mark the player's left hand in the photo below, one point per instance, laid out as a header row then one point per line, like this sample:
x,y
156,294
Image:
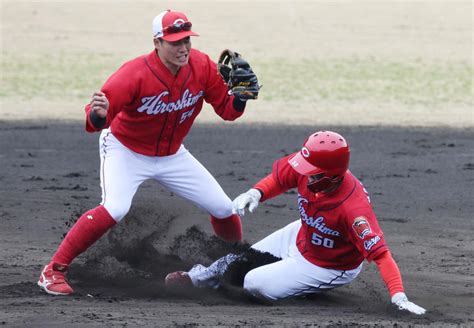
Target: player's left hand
x,y
403,304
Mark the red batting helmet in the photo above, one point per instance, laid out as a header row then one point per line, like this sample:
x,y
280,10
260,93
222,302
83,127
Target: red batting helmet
x,y
325,154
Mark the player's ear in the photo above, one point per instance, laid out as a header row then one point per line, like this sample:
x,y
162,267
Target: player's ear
x,y
157,42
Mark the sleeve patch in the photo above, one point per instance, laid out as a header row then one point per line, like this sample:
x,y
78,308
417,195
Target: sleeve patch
x,y
368,244
361,226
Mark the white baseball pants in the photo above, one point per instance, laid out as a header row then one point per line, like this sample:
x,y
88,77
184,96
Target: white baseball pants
x,y
122,171
293,275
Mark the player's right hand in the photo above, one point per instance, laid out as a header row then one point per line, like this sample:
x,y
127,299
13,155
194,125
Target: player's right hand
x,y
403,304
99,104
249,198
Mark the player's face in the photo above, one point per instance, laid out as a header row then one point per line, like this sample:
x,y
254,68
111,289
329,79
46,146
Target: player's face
x,y
314,178
322,183
174,54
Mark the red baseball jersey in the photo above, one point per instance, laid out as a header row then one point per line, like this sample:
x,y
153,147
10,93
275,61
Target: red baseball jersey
x,y
339,230
151,110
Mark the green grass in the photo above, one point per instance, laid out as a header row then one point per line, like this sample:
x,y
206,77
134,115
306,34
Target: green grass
x,y
356,79
64,76
76,76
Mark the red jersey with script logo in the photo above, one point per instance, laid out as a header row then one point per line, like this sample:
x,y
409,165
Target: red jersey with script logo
x,y
339,230
151,110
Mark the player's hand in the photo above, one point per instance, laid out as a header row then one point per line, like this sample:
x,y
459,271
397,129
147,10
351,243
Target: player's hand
x,y
249,198
99,104
403,304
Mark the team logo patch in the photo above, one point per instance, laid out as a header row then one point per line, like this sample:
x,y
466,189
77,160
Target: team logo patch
x,y
361,226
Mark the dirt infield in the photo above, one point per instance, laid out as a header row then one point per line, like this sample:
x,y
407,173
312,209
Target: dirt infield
x,y
420,181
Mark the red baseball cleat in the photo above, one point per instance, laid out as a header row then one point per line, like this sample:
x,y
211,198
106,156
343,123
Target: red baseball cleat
x,y
53,281
178,278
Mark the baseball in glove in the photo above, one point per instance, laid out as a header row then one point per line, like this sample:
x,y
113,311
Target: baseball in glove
x,y
238,75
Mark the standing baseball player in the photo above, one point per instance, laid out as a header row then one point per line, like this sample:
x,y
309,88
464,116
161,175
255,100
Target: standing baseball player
x,y
322,250
145,110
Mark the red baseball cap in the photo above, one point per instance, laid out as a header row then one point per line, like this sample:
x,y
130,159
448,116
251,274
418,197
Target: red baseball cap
x,y
172,26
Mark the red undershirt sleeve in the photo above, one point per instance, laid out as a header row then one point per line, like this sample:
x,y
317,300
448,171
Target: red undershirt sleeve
x,y
390,273
269,187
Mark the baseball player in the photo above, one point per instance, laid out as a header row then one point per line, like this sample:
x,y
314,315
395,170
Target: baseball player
x,y
322,250
144,111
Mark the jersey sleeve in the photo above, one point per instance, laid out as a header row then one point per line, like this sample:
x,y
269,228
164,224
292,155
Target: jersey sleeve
x,y
282,178
284,174
365,233
268,187
120,90
389,272
216,94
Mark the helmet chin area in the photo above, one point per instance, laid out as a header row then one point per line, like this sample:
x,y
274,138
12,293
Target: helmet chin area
x,y
323,184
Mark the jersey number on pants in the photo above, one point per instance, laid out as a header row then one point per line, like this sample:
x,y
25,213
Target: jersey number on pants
x,y
322,241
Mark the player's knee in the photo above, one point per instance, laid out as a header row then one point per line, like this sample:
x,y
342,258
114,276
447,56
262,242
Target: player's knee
x,y
259,286
117,210
222,211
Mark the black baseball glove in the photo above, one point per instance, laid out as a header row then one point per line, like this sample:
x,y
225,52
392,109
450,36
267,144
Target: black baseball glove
x,y
238,75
